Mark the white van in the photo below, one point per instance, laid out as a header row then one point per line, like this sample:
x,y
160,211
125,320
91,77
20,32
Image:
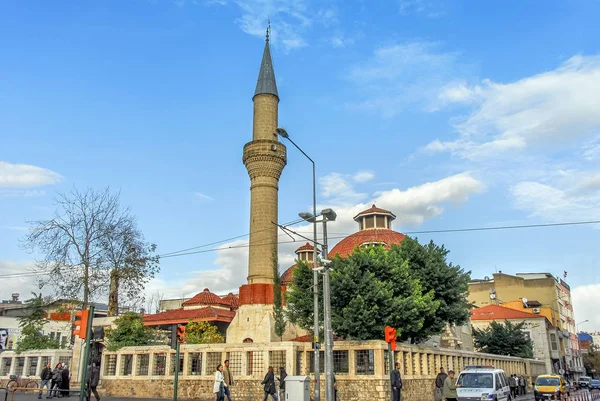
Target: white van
x,y
482,382
584,381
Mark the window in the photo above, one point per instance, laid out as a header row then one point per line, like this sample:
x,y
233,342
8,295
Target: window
x,y
381,222
311,361
255,363
235,363
32,367
19,365
299,355
195,363
173,364
110,368
46,360
341,363
64,360
160,364
498,382
143,360
277,360
476,380
6,362
126,364
213,359
365,362
370,222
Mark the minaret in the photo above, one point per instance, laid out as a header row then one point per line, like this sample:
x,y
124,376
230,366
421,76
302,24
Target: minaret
x,y
264,158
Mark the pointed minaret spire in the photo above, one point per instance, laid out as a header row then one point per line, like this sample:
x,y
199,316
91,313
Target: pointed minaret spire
x,y
266,77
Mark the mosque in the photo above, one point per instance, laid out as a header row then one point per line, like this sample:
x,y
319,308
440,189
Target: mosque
x,y
248,316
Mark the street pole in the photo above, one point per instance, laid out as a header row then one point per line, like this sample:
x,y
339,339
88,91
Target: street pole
x,y
391,359
86,354
329,387
176,379
316,289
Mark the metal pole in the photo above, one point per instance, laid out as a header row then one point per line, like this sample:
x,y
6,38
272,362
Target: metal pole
x,y
86,353
329,389
176,379
392,367
316,289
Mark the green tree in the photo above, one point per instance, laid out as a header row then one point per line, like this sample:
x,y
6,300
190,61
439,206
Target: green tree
x,y
130,331
278,314
32,326
299,298
449,283
202,333
373,288
591,360
504,339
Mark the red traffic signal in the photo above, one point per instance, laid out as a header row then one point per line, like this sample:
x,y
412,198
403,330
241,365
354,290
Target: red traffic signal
x,y
81,321
180,334
390,336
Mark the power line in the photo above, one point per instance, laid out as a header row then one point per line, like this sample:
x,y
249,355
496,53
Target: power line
x,y
357,234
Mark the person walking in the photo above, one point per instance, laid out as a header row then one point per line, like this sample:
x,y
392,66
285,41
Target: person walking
x,y
522,390
93,378
512,383
228,380
46,377
219,383
450,386
56,381
66,380
439,384
269,385
282,376
396,383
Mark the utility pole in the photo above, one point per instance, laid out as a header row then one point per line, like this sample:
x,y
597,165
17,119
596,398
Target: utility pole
x,y
329,387
86,354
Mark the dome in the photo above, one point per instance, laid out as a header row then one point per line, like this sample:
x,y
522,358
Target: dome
x,y
381,236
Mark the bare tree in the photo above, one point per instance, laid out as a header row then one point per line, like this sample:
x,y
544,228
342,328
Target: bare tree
x,y
153,302
78,244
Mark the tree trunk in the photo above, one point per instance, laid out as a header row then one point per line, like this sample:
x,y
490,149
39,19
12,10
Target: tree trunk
x,y
113,294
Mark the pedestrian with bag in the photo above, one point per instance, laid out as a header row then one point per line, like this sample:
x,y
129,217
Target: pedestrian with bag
x,y
396,383
56,381
219,383
450,386
228,380
93,378
512,383
66,379
269,385
522,390
439,384
46,377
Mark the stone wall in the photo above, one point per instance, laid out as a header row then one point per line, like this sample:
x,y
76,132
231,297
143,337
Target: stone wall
x,y
361,368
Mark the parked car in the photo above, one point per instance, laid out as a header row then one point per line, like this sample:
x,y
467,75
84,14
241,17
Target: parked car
x,y
584,381
595,384
550,386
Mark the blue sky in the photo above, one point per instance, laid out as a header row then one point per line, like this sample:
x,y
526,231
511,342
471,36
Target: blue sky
x,y
450,114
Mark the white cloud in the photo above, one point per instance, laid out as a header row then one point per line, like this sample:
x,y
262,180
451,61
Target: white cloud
x,y
20,281
402,75
591,149
363,176
338,190
548,109
26,176
203,197
586,299
340,41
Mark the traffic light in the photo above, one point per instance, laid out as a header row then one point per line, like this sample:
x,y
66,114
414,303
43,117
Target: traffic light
x,y
180,334
172,336
81,322
390,336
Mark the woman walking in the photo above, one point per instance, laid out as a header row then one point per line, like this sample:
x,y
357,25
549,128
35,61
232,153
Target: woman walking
x,y
269,385
219,384
56,381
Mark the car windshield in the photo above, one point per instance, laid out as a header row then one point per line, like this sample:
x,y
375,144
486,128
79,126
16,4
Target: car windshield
x,y
476,380
547,381
595,381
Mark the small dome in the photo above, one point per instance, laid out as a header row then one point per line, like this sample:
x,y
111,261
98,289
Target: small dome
x,y
364,238
374,218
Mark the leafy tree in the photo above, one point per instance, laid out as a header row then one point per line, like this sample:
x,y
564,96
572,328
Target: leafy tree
x,y
449,283
373,288
89,245
32,327
591,360
278,314
202,333
130,331
299,297
504,339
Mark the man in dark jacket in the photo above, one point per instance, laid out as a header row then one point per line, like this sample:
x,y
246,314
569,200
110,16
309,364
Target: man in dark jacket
x,y
46,376
93,378
66,378
439,384
282,376
269,385
396,383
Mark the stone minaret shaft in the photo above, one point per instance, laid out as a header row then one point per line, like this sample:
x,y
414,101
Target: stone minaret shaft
x,y
264,158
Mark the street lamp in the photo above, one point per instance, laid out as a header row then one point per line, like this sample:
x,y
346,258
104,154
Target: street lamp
x,y
576,326
283,133
326,215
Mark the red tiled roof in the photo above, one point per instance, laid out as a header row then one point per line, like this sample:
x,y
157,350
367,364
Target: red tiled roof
x,y
288,275
379,235
307,247
206,298
374,210
232,300
496,312
185,315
